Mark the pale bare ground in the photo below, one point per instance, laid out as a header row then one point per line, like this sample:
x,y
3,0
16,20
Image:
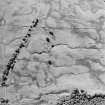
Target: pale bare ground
x,y
72,56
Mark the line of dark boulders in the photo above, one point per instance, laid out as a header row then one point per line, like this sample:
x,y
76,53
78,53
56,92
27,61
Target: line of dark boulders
x,y
12,60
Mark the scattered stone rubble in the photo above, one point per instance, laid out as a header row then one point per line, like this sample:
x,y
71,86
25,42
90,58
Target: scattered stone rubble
x,y
82,98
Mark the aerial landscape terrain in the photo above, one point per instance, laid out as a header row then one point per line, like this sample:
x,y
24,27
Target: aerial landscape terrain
x,y
52,52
